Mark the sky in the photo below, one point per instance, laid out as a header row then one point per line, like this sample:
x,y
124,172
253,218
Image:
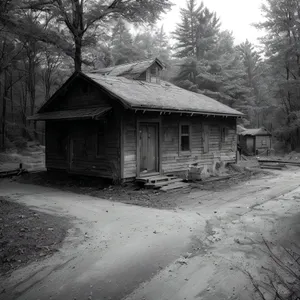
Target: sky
x,y
235,15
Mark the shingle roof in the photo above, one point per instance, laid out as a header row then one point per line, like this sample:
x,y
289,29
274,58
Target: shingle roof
x,y
240,129
84,113
163,97
255,131
131,70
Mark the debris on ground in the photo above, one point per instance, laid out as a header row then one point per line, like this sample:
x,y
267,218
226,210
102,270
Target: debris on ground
x,y
131,193
13,172
27,235
32,158
182,261
162,182
276,164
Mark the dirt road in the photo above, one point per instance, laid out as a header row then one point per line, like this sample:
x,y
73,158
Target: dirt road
x,y
198,251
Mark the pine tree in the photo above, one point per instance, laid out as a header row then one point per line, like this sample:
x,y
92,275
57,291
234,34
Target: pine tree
x,y
121,44
144,42
283,56
162,48
186,31
218,73
208,26
196,33
153,44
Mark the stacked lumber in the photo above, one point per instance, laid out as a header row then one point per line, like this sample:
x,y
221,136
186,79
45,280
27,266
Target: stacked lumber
x,y
163,183
276,164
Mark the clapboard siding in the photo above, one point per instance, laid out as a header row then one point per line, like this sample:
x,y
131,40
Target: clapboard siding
x,y
108,165
130,156
83,94
80,94
172,160
252,145
56,146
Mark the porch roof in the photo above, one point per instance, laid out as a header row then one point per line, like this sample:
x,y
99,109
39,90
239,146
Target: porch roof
x,y
74,114
140,95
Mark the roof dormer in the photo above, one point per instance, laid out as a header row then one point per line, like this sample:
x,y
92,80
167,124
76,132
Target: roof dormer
x,y
147,70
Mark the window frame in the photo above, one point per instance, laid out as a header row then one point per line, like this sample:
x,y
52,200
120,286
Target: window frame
x,y
223,135
185,152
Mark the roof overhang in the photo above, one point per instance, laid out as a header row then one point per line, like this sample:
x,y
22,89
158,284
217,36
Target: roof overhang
x,y
170,111
74,114
260,134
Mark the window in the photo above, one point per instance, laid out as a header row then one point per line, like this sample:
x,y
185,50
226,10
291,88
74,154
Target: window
x,y
153,74
185,138
101,139
224,134
206,134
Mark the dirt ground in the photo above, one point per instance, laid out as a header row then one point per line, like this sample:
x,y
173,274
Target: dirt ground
x,y
199,250
131,193
27,235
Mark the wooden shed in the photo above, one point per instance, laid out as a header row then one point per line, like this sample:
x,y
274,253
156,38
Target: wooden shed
x,y
255,141
124,122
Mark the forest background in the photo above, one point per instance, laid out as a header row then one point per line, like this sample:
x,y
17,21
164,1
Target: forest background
x,y
42,42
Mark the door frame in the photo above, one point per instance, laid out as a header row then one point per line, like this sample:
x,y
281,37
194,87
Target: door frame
x,y
157,123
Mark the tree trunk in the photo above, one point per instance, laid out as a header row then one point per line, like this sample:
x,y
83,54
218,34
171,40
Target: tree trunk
x,y
11,98
2,120
47,83
5,94
78,53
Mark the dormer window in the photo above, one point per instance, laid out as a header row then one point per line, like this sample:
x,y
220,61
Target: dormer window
x,y
147,70
153,74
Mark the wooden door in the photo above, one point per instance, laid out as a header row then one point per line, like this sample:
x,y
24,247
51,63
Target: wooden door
x,y
148,148
250,141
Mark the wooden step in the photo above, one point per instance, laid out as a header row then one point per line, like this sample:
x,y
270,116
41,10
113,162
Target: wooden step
x,y
159,179
173,186
153,179
163,183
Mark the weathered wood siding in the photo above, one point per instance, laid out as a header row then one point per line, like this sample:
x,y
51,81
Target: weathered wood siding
x,y
80,94
263,142
172,159
252,144
59,135
243,143
129,140
57,145
107,165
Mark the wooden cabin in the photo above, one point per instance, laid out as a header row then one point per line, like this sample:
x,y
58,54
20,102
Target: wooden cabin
x,y
124,122
255,141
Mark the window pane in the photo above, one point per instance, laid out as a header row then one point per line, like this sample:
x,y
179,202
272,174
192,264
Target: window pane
x,y
185,143
185,129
